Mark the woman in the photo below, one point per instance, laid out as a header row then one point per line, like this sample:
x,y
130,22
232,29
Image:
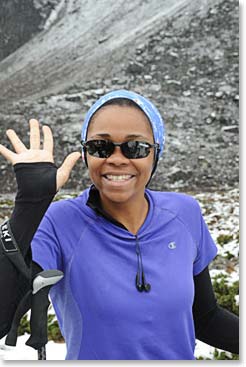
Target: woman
x,y
136,282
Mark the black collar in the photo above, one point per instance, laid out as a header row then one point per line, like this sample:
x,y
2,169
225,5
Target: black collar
x,y
94,202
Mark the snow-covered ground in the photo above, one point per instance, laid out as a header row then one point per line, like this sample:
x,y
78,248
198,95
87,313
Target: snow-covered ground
x,y
54,351
57,351
221,213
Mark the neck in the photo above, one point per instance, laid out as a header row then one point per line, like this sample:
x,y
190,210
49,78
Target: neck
x,y
132,215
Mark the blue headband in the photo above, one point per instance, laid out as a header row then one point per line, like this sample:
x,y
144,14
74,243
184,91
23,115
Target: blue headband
x,y
146,106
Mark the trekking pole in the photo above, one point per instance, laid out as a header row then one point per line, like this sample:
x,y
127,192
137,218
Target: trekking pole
x,y
23,307
39,309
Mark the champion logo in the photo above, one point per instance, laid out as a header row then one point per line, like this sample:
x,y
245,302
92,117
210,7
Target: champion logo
x,y
172,245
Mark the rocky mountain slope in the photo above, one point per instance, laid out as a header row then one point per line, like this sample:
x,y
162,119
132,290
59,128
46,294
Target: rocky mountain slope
x,y
183,55
22,20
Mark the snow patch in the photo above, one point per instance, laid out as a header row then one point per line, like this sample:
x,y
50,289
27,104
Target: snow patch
x,y
54,15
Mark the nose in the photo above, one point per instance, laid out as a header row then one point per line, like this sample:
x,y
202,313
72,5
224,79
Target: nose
x,y
117,157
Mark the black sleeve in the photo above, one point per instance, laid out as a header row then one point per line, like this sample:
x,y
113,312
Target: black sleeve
x,y
36,184
36,189
214,325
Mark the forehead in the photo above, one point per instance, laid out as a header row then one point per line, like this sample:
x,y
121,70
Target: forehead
x,y
118,119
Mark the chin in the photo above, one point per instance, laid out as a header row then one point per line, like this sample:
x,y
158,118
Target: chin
x,y
118,197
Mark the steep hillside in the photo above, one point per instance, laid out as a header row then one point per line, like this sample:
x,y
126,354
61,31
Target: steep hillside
x,y
84,38
182,54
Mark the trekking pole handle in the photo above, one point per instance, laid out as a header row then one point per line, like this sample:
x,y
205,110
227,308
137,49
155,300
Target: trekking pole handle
x,y
39,309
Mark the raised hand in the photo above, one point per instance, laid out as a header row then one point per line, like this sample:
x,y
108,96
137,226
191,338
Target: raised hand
x,y
35,154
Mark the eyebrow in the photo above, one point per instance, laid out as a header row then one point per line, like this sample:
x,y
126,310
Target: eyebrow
x,y
130,136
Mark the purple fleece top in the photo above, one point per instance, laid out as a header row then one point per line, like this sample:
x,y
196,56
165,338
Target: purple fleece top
x,y
101,314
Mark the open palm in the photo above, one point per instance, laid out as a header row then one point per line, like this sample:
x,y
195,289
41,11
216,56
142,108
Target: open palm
x,y
37,154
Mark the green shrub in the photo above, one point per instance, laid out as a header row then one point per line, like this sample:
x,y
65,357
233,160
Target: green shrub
x,y
226,293
54,332
24,326
223,239
229,255
220,355
225,356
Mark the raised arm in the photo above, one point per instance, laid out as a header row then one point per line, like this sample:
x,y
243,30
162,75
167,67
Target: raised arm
x,y
38,180
37,154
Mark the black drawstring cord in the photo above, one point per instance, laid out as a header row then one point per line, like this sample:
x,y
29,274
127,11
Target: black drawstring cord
x,y
141,286
138,284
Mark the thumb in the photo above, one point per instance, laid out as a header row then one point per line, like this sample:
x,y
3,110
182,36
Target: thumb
x,y
64,171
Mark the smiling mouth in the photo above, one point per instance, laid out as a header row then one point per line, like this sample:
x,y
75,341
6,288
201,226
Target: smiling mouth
x,y
118,178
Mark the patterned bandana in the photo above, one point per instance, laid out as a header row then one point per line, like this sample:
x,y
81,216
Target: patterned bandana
x,y
146,106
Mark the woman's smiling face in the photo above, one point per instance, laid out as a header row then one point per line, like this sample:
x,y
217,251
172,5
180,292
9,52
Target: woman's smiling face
x,y
120,124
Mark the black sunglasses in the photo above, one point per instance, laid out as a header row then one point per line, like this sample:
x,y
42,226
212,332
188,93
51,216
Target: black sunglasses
x,y
130,149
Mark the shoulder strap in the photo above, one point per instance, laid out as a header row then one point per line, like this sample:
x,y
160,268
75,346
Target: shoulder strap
x,y
12,251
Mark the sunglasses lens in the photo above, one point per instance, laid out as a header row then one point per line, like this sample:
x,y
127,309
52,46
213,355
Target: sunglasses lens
x,y
130,149
135,149
99,148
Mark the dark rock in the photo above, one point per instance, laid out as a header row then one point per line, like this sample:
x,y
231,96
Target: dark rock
x,y
140,49
230,129
177,174
73,98
135,67
104,39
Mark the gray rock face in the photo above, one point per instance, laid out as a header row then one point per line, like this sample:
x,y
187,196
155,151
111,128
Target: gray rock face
x,y
20,21
182,55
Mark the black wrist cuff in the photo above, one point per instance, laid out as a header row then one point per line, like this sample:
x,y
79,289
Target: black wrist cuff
x,y
36,181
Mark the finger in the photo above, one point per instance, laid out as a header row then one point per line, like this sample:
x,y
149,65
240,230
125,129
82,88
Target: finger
x,y
64,171
15,141
48,139
34,134
7,154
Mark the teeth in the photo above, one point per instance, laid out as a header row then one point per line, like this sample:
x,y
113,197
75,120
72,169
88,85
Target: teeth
x,y
118,178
